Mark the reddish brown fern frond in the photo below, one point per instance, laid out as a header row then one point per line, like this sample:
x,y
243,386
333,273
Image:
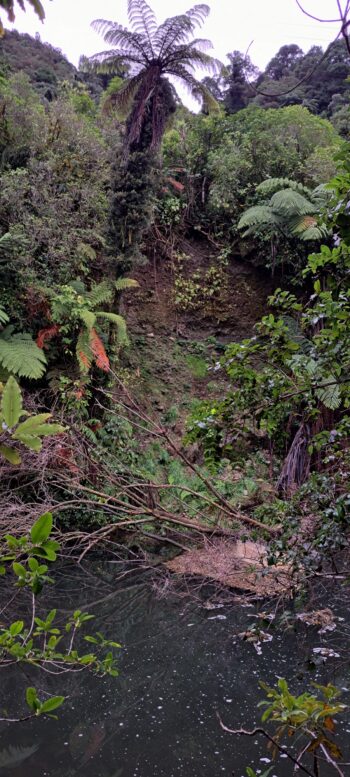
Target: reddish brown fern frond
x,y
47,334
98,350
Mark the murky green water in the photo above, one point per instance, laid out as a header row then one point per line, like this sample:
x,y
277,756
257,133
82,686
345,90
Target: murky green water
x,y
180,664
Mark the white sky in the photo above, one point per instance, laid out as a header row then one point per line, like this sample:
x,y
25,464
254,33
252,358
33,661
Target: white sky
x,y
232,24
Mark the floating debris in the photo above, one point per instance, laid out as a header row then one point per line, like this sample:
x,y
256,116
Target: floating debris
x,y
325,653
323,618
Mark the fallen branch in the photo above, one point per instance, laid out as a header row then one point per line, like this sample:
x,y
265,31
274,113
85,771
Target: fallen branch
x,y
258,730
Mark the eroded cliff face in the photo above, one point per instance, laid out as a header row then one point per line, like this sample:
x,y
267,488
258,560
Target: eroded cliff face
x,y
187,308
198,292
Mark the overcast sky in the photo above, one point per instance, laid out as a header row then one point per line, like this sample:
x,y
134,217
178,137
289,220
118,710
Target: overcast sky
x,y
232,24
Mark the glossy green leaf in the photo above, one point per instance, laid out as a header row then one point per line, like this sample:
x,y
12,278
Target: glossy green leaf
x,y
41,529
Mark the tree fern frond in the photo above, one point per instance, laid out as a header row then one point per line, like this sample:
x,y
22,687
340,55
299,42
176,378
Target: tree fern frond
x,y
113,62
121,284
179,28
98,351
83,351
36,5
288,203
272,185
88,318
319,232
329,395
193,60
101,292
198,13
143,20
20,355
117,35
120,323
256,216
123,99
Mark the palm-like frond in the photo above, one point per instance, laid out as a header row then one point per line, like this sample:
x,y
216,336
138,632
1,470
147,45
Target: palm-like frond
x,y
153,52
124,97
257,216
142,20
9,8
118,36
289,203
292,208
20,355
271,185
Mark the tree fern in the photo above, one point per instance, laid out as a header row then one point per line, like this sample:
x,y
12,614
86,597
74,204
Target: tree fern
x,y
291,210
152,53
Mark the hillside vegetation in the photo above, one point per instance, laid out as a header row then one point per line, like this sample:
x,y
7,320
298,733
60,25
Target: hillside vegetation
x,y
174,306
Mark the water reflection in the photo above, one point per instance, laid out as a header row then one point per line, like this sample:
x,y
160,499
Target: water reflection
x,y
179,666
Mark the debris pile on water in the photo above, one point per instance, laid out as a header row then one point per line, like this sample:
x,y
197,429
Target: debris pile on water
x,y
235,564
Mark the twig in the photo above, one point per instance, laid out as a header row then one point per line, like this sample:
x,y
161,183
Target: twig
x,y
258,730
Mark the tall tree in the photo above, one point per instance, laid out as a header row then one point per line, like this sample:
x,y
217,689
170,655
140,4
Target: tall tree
x,y
153,54
236,76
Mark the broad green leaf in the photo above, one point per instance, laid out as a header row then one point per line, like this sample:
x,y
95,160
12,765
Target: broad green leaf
x,y
33,443
19,569
41,529
11,405
33,564
27,426
44,430
16,628
10,454
52,704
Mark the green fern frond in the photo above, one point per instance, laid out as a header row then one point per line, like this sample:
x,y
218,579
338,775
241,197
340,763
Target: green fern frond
x,y
121,284
329,395
83,351
4,319
102,292
289,203
120,323
88,318
20,355
273,185
319,232
256,216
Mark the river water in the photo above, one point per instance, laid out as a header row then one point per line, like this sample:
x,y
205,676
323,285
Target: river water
x,y
180,665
